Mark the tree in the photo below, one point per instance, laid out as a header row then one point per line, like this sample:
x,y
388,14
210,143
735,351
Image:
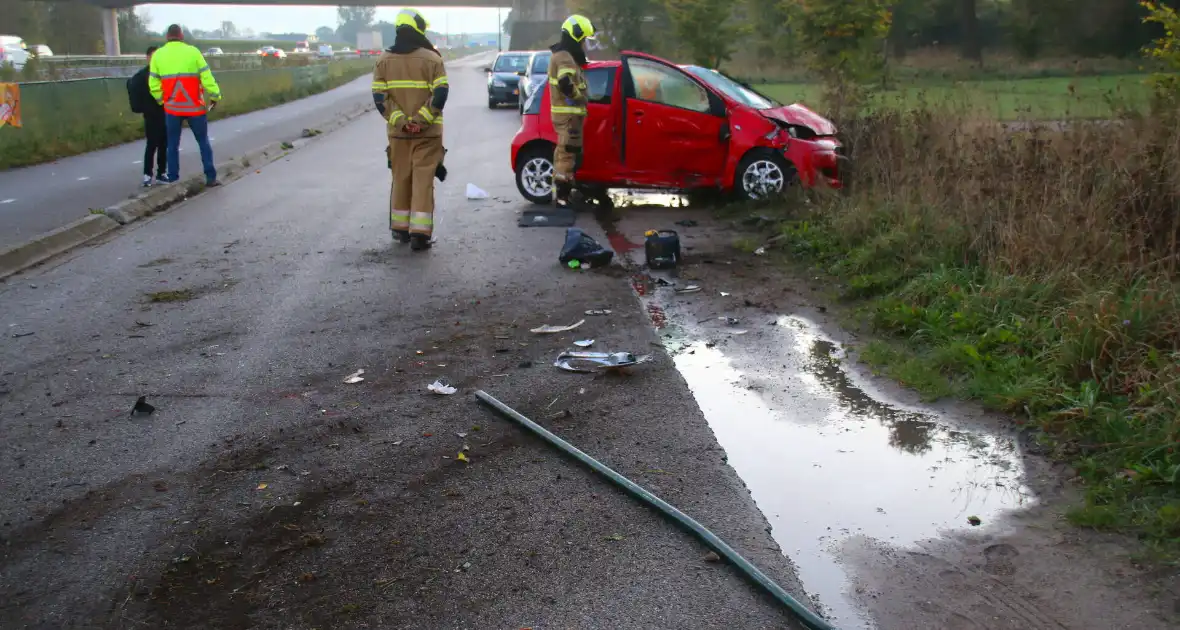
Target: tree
x,y
972,47
325,34
228,30
352,20
1165,49
706,27
770,24
621,22
844,42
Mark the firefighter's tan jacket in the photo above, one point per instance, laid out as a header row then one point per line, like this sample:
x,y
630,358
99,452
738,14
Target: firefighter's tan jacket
x,y
408,82
566,108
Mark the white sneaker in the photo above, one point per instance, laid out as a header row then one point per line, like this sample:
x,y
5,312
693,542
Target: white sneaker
x,y
147,181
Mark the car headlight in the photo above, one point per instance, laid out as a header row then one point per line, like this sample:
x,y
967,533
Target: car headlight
x,y
499,83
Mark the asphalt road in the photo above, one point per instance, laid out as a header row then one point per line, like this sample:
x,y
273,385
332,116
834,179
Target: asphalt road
x,y
37,199
264,492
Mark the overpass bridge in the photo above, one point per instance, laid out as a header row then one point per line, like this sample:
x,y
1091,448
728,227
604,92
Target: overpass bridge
x,y
535,21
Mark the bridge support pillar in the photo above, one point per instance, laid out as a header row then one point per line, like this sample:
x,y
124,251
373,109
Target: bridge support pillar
x,y
110,31
536,23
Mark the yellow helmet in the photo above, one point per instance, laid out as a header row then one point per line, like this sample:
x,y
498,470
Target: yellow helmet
x,y
579,27
413,19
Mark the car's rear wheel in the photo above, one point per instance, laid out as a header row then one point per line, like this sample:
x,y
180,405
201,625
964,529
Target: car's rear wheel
x,y
534,174
762,175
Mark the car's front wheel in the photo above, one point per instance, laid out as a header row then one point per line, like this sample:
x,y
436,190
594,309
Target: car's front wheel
x,y
534,174
762,175
493,103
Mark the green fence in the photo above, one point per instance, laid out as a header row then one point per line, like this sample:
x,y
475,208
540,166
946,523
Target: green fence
x,y
70,117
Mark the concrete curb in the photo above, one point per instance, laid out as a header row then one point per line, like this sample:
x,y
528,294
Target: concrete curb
x,y
50,244
20,257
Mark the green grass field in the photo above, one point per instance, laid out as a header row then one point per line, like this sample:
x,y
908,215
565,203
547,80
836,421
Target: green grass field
x,y
1021,99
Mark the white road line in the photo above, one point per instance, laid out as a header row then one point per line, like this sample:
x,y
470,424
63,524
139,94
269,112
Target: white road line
x,y
138,162
8,201
82,179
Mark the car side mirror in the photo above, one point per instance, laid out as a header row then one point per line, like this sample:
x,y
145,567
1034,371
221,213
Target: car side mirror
x,y
521,73
487,69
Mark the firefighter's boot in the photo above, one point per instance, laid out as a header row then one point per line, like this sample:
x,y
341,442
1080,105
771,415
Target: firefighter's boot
x,y
419,242
401,236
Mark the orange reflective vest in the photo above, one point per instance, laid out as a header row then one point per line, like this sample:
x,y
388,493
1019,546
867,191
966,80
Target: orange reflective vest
x,y
180,80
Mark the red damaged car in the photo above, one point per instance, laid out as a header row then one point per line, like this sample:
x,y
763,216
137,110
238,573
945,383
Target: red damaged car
x,y
655,125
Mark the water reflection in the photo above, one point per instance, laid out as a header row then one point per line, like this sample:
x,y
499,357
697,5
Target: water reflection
x,y
826,458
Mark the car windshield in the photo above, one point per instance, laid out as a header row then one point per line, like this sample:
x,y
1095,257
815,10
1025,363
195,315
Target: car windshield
x,y
541,63
738,92
511,63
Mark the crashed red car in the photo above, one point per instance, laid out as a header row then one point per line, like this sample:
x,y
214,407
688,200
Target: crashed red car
x,y
654,125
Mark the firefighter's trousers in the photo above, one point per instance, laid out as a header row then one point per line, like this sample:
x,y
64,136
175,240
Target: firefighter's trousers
x,y
411,204
567,157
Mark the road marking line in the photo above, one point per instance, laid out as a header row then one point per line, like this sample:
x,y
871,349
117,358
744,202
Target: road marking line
x,y
82,179
8,201
138,162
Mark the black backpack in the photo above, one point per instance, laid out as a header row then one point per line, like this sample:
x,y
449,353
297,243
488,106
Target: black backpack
x,y
135,95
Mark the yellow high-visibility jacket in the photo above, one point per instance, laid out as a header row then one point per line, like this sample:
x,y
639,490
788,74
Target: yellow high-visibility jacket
x,y
180,80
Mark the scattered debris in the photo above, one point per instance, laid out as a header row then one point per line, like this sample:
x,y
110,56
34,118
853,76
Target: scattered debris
x,y
262,486
143,324
761,251
692,288
732,321
287,145
603,311
974,521
687,223
585,343
724,294
574,361
141,407
311,133
441,387
462,457
549,330
398,443
461,435
355,377
614,537
582,249
19,335
712,557
475,192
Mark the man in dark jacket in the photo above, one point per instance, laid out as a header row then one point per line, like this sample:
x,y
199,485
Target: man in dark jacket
x,y
153,124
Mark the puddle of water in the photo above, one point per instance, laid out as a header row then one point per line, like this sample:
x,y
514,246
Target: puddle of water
x,y
826,458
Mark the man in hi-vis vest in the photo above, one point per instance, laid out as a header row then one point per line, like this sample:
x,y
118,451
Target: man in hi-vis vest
x,y
181,82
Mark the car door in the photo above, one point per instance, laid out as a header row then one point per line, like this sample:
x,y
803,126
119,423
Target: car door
x,y
673,127
600,153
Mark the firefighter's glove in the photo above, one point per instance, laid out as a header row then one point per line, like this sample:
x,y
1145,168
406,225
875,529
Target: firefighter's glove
x,y
412,127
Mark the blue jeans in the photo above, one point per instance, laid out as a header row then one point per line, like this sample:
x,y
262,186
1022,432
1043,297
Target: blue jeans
x,y
200,127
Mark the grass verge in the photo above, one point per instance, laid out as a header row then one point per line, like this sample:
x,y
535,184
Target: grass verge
x,y
1057,98
1036,273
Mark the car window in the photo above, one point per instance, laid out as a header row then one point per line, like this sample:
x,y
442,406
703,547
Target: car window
x,y
533,105
738,92
541,63
511,63
657,83
600,85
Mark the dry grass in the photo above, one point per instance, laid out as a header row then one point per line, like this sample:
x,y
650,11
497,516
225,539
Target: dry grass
x,y
1036,271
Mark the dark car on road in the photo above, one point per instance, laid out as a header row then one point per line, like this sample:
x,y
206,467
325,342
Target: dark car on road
x,y
504,77
535,76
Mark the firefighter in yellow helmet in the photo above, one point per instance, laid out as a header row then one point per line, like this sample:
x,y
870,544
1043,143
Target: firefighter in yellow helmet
x,y
567,101
410,89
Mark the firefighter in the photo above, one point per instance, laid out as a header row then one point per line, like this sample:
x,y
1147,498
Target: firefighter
x,y
181,82
410,89
567,98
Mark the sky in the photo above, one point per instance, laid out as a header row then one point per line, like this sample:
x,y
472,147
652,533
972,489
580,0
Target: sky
x,y
300,19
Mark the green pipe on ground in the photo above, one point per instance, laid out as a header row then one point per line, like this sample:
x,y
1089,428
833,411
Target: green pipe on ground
x,y
809,618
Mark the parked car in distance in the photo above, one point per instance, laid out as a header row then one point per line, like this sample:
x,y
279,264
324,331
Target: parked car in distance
x,y
536,75
654,125
504,77
213,52
41,51
13,52
325,51
271,51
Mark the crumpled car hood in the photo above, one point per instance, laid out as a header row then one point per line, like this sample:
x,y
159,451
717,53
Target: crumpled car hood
x,y
797,114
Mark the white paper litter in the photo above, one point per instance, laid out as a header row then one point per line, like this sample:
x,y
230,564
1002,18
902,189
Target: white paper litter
x,y
549,330
355,377
441,388
475,192
585,343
